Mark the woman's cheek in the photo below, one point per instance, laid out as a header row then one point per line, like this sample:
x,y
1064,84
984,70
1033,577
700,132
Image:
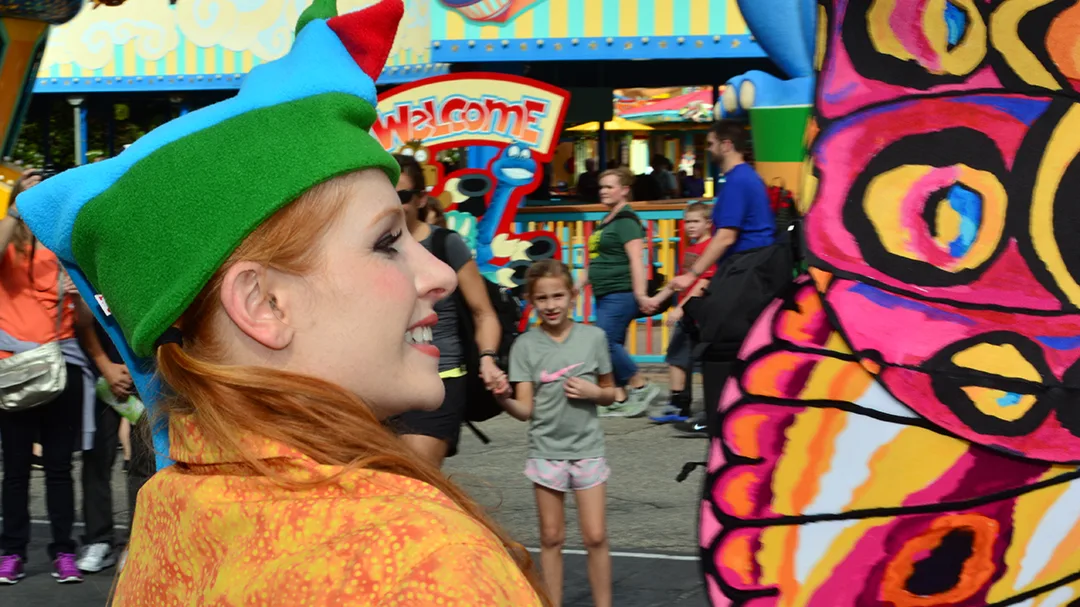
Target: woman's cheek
x,y
391,283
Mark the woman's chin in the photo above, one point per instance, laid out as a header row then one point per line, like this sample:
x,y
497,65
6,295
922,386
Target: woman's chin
x,y
424,396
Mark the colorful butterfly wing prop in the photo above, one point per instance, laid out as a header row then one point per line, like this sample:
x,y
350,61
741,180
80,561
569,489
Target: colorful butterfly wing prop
x,y
904,427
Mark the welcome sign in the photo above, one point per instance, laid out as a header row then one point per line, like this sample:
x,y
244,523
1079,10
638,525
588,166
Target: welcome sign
x,y
518,117
458,110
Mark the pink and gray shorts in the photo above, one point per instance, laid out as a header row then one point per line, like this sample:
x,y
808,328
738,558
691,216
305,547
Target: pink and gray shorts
x,y
566,475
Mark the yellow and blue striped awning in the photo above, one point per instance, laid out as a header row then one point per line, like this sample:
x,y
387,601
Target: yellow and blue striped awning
x,y
553,30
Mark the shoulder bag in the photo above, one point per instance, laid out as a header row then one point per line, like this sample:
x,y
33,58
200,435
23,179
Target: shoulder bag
x,y
35,377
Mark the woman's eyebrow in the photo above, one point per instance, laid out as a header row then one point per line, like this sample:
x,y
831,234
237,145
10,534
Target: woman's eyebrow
x,y
389,211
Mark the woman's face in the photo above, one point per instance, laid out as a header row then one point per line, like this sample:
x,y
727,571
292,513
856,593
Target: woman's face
x,y
365,323
612,192
415,202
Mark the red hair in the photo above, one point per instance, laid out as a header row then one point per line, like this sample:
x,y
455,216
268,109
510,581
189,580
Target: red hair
x,y
321,420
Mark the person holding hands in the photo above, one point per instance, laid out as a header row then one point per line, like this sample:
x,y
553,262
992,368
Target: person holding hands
x,y
561,371
680,350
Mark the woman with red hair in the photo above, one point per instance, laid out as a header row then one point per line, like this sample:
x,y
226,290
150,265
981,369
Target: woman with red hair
x,y
288,313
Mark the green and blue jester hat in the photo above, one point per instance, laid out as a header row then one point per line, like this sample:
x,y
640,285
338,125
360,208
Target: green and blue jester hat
x,y
142,233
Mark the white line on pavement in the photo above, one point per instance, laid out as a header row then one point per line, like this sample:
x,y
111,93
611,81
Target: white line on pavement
x,y
633,555
36,521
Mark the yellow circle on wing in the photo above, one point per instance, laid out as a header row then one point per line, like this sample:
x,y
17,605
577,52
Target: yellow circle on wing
x,y
961,60
1059,153
1002,360
1004,31
969,53
988,402
883,204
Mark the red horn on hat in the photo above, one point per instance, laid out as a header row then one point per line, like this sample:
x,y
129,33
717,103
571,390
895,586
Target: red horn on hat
x,y
369,34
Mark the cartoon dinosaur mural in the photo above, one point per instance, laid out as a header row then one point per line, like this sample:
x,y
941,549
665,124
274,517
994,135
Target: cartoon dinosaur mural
x,y
482,209
514,170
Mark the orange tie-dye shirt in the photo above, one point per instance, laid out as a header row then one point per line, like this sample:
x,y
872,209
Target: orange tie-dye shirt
x,y
208,536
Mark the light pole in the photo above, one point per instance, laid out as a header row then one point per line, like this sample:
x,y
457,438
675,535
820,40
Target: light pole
x,y
80,129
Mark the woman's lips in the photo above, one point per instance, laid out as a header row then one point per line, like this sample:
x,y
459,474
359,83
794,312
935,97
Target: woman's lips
x,y
429,349
428,321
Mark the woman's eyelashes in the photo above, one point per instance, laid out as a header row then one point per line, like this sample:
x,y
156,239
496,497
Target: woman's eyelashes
x,y
386,243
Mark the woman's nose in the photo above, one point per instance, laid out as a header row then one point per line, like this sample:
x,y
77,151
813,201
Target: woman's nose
x,y
434,278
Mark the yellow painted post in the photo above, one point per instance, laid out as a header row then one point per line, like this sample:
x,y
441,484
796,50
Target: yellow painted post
x,y
575,270
665,231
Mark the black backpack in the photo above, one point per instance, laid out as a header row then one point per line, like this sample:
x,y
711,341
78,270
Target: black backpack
x,y
480,403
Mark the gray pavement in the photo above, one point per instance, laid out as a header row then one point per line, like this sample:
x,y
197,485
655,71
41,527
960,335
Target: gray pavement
x,y
652,520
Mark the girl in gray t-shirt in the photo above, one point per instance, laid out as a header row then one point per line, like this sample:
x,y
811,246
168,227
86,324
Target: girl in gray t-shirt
x,y
561,371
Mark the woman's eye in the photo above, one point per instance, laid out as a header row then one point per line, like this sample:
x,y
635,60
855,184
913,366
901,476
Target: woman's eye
x,y
387,242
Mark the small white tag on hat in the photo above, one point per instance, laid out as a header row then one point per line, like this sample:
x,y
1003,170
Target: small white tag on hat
x,y
104,306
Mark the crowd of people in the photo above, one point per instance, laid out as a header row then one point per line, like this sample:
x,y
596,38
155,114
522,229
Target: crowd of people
x,y
40,305
316,353
661,182
562,376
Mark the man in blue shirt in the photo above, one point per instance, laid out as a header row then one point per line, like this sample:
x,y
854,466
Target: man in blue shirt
x,y
742,218
742,221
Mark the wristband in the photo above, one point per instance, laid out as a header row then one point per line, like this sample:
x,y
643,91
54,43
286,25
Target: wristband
x,y
695,272
492,353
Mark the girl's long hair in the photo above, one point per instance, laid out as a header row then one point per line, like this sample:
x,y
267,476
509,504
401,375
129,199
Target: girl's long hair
x,y
22,237
321,420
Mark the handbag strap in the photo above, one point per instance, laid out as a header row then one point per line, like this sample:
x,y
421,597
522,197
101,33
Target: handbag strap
x,y
59,288
59,297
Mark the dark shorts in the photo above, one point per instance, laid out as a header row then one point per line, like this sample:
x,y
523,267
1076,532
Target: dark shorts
x,y
443,423
680,349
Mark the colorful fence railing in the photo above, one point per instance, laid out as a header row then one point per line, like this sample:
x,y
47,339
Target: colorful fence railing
x,y
647,338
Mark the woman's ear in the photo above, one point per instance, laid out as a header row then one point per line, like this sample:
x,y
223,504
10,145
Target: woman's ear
x,y
254,304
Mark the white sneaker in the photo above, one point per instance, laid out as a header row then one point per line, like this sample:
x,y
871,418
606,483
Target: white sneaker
x,y
96,557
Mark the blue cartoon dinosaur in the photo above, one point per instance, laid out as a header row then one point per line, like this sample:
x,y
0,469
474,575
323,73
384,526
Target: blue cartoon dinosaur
x,y
513,168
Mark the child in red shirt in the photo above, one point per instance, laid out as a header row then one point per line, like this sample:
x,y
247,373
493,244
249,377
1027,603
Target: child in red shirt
x,y
698,228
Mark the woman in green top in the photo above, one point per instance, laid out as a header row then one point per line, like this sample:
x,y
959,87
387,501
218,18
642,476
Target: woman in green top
x,y
617,274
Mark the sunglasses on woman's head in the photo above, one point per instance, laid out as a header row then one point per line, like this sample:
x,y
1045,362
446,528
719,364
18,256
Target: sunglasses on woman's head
x,y
406,196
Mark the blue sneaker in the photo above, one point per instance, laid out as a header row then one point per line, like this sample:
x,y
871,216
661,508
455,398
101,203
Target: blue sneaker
x,y
670,415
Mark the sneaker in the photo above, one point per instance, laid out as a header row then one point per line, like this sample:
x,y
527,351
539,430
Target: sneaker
x,y
670,414
11,569
612,410
96,557
695,427
66,570
639,400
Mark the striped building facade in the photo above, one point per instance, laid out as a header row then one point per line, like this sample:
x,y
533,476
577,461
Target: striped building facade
x,y
593,29
153,45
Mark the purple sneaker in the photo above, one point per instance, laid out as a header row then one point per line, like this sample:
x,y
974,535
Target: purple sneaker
x,y
66,570
11,569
